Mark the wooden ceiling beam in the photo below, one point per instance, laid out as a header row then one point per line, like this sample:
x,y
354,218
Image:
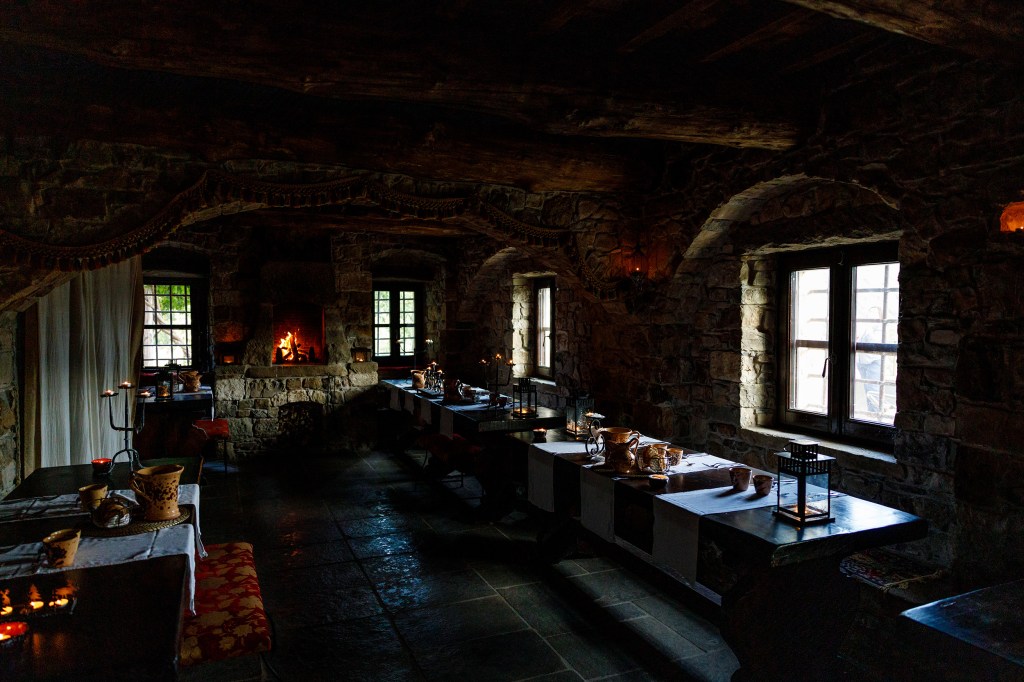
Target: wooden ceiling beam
x,y
332,68
693,15
218,122
793,24
566,11
993,29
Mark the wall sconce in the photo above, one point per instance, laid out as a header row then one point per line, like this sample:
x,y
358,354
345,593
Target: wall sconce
x,y
1012,218
638,266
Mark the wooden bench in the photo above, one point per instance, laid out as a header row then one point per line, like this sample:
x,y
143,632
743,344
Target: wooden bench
x,y
229,620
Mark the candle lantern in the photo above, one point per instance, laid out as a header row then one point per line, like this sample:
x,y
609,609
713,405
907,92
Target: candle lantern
x,y
524,399
577,409
360,354
165,384
812,473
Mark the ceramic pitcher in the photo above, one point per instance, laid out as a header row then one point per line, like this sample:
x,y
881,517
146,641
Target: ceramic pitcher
x,y
156,489
620,446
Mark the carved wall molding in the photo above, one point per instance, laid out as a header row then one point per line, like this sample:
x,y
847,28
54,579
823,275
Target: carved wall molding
x,y
237,193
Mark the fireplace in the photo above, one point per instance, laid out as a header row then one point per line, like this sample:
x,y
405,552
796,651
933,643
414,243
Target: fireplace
x,y
298,334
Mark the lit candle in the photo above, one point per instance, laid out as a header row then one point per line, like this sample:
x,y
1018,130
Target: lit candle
x,y
7,610
12,630
107,393
36,604
144,394
101,465
58,603
125,384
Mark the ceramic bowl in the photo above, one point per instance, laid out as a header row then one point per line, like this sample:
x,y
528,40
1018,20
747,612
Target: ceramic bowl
x,y
657,481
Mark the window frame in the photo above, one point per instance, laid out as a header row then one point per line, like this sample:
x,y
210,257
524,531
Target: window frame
x,y
837,422
419,296
198,321
539,370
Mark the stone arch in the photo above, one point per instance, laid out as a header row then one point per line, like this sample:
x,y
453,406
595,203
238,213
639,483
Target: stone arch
x,y
729,272
785,197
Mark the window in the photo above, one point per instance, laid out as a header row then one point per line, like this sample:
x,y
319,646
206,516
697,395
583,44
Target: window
x,y
839,317
172,307
397,323
542,325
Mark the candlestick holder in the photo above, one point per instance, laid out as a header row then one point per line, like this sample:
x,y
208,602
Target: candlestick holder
x,y
127,428
497,373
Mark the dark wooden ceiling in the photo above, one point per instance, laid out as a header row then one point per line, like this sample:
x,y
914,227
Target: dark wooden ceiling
x,y
565,94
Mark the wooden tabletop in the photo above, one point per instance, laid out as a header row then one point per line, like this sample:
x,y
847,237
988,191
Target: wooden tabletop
x,y
68,479
974,633
126,623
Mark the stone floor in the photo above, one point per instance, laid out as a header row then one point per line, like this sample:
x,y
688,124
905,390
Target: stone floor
x,y
371,572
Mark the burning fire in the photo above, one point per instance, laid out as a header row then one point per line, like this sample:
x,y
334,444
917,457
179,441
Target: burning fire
x,y
289,349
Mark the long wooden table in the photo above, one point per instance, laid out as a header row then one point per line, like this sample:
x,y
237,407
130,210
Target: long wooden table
x,y
466,419
977,635
127,618
786,606
68,479
126,624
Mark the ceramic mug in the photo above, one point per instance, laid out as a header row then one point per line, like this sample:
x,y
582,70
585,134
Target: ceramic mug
x,y
740,477
763,484
61,546
90,495
156,489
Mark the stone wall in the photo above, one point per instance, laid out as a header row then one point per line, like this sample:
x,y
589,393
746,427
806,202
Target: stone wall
x,y
930,163
9,408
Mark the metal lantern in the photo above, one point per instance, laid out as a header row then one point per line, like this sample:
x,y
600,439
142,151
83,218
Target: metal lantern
x,y
577,411
810,499
165,384
360,354
524,399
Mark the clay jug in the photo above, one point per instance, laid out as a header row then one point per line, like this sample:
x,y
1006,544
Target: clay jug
x,y
190,379
156,489
620,446
418,380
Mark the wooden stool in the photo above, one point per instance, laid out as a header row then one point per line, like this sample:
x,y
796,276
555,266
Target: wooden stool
x,y
216,430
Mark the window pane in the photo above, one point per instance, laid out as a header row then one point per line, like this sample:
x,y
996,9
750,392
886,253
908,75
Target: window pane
x,y
407,340
808,295
543,325
876,313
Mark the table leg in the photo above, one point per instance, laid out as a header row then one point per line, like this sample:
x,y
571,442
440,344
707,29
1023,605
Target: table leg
x,y
787,623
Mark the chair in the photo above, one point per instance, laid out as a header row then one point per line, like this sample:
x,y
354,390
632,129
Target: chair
x,y
217,431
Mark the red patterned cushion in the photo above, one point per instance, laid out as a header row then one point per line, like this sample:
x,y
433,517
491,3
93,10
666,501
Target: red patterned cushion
x,y
229,619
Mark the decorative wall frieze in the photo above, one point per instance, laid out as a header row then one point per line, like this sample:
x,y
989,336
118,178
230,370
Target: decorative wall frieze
x,y
233,193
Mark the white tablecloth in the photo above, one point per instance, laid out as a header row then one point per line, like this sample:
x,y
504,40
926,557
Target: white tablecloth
x,y
53,506
540,460
27,559
597,503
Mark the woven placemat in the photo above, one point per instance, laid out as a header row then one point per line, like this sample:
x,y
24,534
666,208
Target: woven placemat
x,y
136,527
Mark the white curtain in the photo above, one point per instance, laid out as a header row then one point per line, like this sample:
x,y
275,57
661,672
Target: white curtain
x,y
88,341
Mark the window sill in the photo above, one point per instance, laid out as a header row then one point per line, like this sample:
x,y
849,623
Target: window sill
x,y
544,381
847,454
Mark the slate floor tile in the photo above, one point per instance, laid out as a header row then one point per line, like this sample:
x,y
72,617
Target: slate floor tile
x,y
512,656
303,556
543,607
426,590
367,649
424,628
403,567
